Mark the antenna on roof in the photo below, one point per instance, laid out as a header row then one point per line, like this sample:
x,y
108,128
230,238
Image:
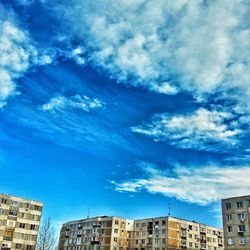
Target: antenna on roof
x,y
88,212
169,208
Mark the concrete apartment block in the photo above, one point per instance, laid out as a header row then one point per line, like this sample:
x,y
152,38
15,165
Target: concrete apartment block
x,y
169,233
102,232
19,222
236,222
161,233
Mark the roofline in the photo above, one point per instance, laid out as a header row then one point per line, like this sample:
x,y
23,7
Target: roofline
x,y
178,218
94,217
236,197
19,197
134,220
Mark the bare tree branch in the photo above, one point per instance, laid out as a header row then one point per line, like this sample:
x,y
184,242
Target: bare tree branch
x,y
46,238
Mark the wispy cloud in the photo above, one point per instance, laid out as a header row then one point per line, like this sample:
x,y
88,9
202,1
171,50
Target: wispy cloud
x,y
201,185
202,129
84,103
170,47
17,55
166,46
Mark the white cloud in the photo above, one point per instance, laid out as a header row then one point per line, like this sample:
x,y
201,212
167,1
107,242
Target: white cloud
x,y
76,102
17,55
15,52
195,185
202,129
198,46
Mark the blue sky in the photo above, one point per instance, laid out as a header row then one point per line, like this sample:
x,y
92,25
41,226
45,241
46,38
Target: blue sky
x,y
125,108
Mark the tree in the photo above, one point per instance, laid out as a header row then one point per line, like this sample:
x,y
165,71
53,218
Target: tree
x,y
46,237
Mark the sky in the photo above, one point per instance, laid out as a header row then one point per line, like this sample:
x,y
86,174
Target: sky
x,y
131,108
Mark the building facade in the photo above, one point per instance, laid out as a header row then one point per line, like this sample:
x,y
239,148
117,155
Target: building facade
x,y
19,222
169,233
95,233
236,222
161,233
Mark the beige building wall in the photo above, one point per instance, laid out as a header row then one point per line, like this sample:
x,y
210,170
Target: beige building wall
x,y
169,233
236,222
160,233
19,222
102,233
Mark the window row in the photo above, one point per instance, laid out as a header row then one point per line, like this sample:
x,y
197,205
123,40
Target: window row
x,y
241,241
148,224
15,203
14,212
239,216
150,241
240,228
238,204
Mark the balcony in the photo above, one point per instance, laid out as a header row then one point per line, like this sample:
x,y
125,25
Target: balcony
x,y
8,238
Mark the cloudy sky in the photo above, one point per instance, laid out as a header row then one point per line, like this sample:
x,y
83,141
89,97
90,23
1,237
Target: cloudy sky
x,y
129,108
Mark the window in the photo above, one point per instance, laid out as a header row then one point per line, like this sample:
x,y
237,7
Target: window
x,y
13,213
37,208
163,241
22,225
15,203
190,227
163,231
229,229
142,241
163,223
4,201
241,216
190,244
116,222
239,204
115,239
241,228
228,206
32,227
20,235
116,231
190,236
1,211
242,241
26,205
230,242
136,242
29,247
18,246
228,217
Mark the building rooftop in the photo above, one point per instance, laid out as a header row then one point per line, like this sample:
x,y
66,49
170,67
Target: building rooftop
x,y
21,198
236,197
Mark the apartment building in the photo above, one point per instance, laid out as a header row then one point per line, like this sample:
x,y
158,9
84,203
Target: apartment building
x,y
161,233
104,232
236,222
169,233
19,222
